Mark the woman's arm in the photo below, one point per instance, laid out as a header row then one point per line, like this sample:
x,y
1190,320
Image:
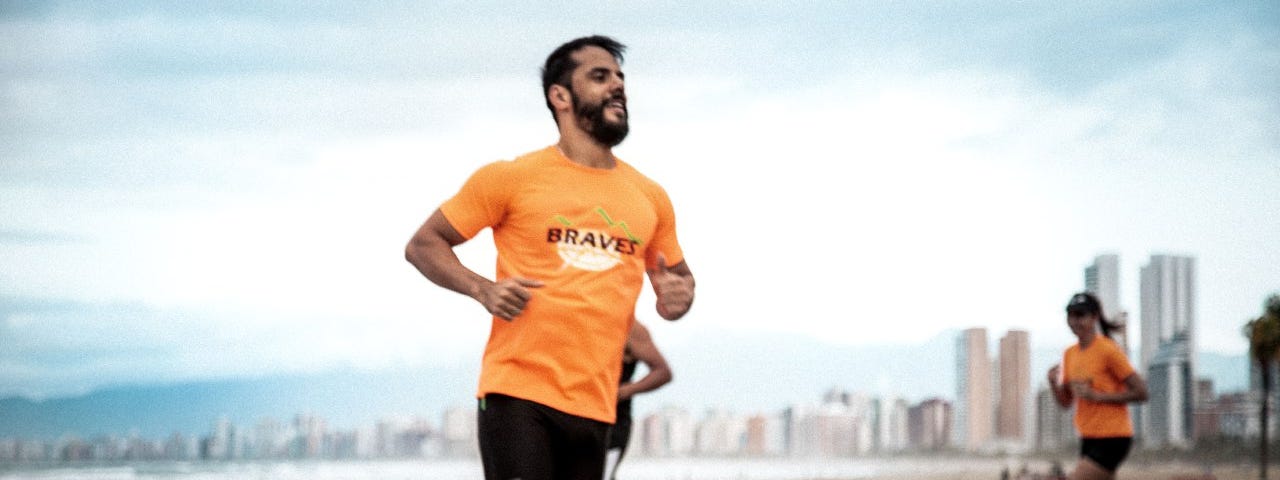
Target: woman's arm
x,y
1060,393
1135,391
643,348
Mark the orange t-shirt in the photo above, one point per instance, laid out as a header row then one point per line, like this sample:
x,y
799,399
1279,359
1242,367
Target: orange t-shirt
x,y
1105,367
588,235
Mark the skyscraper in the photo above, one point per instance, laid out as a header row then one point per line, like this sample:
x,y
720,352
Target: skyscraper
x,y
973,408
1102,278
1014,405
1168,350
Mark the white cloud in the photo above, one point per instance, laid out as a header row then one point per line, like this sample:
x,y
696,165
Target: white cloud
x,y
857,196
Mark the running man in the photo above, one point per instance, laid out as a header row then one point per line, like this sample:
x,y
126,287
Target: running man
x,y
576,230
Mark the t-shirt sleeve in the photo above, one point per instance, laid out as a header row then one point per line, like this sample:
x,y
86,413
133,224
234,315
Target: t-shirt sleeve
x,y
1118,365
664,236
482,200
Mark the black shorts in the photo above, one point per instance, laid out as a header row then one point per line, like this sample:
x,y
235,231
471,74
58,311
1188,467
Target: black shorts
x,y
620,434
1106,452
531,441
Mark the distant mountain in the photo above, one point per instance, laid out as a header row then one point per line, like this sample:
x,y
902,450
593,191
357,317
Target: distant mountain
x,y
736,371
739,372
345,400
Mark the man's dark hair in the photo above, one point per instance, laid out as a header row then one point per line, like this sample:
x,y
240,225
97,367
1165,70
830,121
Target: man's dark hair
x,y
560,65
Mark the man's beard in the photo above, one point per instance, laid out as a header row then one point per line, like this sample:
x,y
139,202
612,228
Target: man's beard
x,y
592,115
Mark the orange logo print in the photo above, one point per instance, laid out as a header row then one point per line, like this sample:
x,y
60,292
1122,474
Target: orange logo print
x,y
591,249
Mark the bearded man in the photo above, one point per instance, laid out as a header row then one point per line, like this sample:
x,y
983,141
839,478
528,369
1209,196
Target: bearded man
x,y
576,230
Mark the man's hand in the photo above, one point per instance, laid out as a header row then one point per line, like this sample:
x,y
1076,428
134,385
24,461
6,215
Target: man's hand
x,y
506,298
674,289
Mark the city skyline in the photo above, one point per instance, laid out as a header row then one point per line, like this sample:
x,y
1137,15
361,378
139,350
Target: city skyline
x,y
842,423
225,190
994,410
340,397
996,416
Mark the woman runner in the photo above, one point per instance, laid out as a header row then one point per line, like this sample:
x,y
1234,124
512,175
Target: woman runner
x,y
1096,375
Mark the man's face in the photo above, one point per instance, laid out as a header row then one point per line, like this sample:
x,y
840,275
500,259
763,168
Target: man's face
x,y
599,100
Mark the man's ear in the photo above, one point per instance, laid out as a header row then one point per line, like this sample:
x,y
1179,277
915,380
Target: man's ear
x,y
559,97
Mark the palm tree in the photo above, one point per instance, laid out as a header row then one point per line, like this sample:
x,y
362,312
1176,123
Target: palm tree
x,y
1264,344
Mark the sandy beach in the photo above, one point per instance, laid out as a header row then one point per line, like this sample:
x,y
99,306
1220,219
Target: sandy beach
x,y
643,469
1168,471
918,468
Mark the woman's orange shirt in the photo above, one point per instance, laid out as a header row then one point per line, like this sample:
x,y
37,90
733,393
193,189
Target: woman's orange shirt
x,y
1104,367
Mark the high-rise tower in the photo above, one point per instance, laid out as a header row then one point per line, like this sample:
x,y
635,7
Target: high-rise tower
x,y
973,408
1168,350
1013,410
1102,278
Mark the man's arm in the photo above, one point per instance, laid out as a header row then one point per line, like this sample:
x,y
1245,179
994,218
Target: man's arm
x,y
431,252
643,348
674,288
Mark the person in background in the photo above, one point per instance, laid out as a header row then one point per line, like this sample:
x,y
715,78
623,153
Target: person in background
x,y
640,349
1095,374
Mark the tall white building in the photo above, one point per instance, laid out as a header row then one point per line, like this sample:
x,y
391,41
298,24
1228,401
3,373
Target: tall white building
x,y
1102,278
1168,302
1168,350
1168,416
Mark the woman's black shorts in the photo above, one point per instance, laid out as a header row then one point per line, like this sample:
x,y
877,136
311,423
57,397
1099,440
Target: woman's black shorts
x,y
1106,452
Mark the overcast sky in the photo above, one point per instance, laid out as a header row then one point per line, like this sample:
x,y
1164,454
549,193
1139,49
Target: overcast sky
x,y
226,188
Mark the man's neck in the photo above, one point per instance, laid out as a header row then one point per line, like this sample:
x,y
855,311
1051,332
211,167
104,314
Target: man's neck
x,y
584,150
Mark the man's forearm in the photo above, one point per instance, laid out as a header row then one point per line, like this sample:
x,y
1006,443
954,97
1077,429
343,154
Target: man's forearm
x,y
441,266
